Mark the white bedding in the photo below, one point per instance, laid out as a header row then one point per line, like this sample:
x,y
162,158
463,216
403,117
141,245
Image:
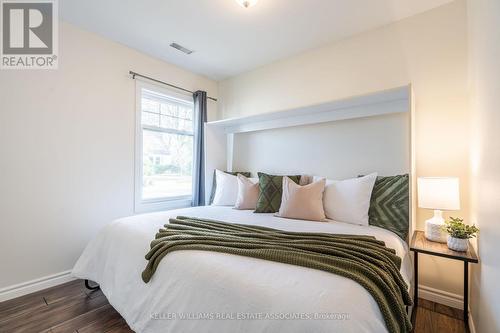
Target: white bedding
x,y
207,284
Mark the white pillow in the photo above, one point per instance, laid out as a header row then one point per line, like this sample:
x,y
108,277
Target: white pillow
x,y
227,189
348,200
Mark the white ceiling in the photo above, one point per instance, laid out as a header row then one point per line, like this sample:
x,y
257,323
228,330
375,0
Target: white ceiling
x,y
227,38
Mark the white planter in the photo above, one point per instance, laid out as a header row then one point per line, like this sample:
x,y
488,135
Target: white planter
x,y
458,244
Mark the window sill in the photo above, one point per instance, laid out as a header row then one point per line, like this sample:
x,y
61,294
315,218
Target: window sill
x,y
154,206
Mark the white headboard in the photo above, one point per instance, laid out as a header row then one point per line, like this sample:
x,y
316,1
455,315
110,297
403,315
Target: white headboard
x,y
338,139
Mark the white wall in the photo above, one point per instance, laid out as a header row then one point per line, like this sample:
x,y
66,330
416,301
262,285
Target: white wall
x,y
484,24
67,150
316,149
429,51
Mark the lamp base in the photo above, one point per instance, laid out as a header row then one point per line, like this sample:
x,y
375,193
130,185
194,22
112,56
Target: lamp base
x,y
433,228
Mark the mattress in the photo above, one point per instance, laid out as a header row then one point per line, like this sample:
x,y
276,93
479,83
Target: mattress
x,y
198,291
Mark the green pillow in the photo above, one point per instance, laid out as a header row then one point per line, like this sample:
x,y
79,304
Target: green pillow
x,y
214,182
390,204
271,189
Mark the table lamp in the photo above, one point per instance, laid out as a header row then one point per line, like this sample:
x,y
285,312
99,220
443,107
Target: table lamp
x,y
438,193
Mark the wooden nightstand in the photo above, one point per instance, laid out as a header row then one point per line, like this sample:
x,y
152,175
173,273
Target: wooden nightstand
x,y
419,244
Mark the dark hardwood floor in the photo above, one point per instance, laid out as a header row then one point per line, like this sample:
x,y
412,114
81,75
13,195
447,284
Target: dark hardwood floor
x,y
72,308
66,308
433,317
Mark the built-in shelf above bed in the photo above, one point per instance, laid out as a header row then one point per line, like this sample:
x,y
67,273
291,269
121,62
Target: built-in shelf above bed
x,y
338,139
383,102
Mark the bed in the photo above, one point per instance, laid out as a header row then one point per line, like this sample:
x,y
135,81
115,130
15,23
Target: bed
x,y
194,291
204,291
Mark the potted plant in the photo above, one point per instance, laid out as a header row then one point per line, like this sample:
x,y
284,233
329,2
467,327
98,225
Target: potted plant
x,y
459,234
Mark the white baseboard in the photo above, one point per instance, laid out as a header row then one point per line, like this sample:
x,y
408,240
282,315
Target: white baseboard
x,y
29,287
441,297
446,298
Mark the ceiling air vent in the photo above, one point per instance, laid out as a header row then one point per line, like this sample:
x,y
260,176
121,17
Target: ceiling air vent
x,y
181,48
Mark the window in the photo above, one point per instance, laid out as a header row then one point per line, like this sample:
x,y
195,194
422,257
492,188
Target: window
x,y
164,148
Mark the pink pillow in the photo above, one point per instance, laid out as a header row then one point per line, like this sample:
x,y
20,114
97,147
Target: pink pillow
x,y
302,202
248,193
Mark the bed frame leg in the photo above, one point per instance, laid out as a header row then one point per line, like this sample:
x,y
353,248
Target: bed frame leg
x,y
88,286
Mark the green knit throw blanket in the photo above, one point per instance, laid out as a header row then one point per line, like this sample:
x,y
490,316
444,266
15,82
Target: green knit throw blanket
x,y
363,259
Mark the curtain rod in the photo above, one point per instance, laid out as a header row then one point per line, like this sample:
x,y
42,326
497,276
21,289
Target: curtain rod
x,y
134,74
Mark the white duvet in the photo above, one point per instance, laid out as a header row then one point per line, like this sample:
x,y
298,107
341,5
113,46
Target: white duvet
x,y
197,291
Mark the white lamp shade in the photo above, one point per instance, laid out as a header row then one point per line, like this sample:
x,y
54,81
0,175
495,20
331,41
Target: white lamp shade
x,y
440,193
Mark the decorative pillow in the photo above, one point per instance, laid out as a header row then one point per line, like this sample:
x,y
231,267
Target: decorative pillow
x,y
305,180
348,200
227,189
302,202
390,204
248,192
214,183
271,188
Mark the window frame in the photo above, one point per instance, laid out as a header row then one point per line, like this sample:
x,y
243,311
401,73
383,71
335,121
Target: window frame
x,y
148,205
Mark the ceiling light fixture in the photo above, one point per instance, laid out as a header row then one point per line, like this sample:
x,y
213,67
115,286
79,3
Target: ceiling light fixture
x,y
246,3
